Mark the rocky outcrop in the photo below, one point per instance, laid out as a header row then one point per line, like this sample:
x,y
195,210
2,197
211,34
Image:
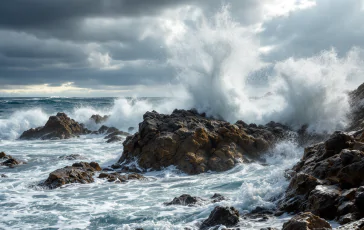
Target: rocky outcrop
x,y
188,200
306,221
328,179
357,105
195,143
81,172
99,119
116,177
57,127
227,216
9,161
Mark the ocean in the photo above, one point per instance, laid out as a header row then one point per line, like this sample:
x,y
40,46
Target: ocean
x,y
135,204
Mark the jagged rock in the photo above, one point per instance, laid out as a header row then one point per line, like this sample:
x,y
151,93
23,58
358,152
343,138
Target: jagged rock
x,y
306,221
327,178
227,216
185,200
217,198
72,157
196,144
357,105
107,130
116,136
357,225
81,172
114,139
99,119
116,177
9,161
57,127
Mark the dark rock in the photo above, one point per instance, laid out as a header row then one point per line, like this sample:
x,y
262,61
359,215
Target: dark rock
x,y
185,200
57,127
99,119
3,176
322,201
114,139
194,143
9,161
116,177
306,221
227,216
357,225
217,198
131,129
72,157
81,172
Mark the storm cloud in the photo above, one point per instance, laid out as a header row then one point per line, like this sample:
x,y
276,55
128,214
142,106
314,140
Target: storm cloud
x,y
96,44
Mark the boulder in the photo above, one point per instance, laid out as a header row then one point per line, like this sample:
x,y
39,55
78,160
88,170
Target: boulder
x,y
9,161
227,216
306,221
57,127
81,172
322,201
116,177
99,119
185,200
196,144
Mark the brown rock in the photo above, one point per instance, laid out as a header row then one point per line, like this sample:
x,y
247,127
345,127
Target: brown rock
x,y
57,127
194,143
227,216
81,172
306,221
116,177
99,119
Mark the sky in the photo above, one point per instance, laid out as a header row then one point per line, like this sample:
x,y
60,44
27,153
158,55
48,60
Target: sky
x,y
122,47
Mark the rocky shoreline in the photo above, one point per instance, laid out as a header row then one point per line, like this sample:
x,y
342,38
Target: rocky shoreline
x,y
326,184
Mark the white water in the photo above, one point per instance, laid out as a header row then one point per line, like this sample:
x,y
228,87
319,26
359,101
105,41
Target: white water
x,y
216,60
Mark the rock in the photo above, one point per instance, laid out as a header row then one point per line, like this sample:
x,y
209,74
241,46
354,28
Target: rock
x,y
357,105
81,172
322,201
185,200
114,139
227,216
339,141
357,225
306,221
217,198
131,129
57,127
194,143
116,177
9,161
3,176
99,119
72,157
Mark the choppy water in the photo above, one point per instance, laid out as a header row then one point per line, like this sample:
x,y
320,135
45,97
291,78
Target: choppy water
x,y
104,205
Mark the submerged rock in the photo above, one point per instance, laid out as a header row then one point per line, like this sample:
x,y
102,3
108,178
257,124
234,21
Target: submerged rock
x,y
196,144
9,161
72,157
57,127
188,200
116,177
99,119
227,216
306,221
81,172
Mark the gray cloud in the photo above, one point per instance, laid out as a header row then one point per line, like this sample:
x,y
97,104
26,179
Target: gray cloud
x,y
50,42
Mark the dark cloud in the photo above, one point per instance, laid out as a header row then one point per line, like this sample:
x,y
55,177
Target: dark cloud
x,y
58,41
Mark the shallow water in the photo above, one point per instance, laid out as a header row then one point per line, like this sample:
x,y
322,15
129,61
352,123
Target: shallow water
x,y
104,205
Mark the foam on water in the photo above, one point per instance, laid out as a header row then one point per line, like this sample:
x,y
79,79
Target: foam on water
x,y
104,205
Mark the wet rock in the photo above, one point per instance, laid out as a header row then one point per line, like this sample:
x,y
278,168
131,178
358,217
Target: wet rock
x,y
81,172
72,157
194,143
217,198
116,177
3,176
357,105
9,161
114,139
131,129
99,119
322,201
306,221
185,200
357,225
57,127
227,216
